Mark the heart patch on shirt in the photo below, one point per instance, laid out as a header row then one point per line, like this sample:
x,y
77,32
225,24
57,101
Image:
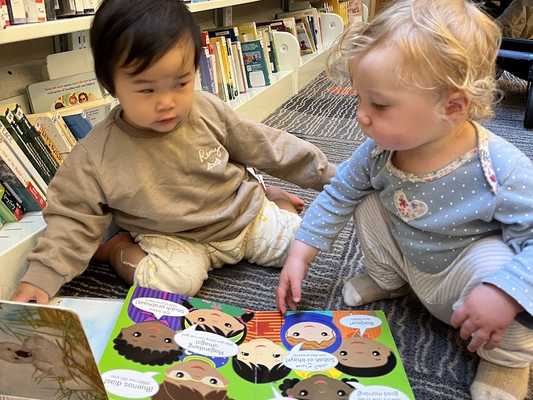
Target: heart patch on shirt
x,y
409,209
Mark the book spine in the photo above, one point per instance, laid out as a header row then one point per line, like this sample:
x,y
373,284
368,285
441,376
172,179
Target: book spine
x,y
27,148
243,69
206,71
32,136
34,177
50,10
89,6
16,11
80,7
10,209
4,15
12,177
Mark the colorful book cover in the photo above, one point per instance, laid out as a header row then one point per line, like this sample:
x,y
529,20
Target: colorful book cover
x,y
165,346
78,124
255,63
44,354
10,209
11,181
64,92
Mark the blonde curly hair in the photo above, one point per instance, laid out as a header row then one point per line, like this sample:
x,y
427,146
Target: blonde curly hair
x,y
446,45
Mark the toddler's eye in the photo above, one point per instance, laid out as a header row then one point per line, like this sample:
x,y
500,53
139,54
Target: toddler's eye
x,y
379,106
146,91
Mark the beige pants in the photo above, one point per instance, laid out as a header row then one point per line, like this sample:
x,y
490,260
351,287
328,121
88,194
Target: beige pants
x,y
445,291
181,266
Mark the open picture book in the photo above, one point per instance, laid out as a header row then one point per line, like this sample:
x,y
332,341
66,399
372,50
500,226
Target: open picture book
x,y
167,346
45,355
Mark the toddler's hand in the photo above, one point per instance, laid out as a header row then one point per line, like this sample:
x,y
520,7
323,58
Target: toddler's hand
x,y
292,275
485,316
26,293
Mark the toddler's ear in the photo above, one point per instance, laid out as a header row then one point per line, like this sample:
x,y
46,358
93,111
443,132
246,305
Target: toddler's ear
x,y
456,106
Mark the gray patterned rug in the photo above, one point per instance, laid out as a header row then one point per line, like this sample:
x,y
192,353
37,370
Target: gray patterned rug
x,y
435,358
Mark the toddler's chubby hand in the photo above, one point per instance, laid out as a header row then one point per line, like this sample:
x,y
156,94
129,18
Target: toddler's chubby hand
x,y
27,292
293,273
484,316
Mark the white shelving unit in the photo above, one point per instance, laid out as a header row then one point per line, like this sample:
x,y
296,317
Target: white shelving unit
x,y
17,239
19,33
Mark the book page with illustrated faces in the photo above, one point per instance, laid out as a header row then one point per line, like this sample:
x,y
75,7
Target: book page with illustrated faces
x,y
166,346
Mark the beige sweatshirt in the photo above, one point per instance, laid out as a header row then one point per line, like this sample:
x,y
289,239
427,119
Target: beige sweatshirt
x,y
191,183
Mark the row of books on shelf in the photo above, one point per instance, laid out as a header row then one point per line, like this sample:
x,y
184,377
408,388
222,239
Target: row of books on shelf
x,y
33,146
17,12
235,59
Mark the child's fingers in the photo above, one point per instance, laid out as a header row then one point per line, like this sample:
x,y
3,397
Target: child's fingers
x,y
282,294
467,329
495,340
22,296
296,290
458,317
478,339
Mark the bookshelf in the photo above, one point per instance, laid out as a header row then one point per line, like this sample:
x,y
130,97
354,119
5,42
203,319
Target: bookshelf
x,y
19,33
17,239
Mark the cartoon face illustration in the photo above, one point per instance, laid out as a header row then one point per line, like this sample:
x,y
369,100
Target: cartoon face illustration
x,y
193,379
149,342
260,361
82,97
15,353
314,330
313,335
73,99
218,322
360,356
318,387
261,351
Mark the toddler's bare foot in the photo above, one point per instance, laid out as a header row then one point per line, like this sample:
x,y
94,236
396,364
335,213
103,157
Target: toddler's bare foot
x,y
103,253
285,200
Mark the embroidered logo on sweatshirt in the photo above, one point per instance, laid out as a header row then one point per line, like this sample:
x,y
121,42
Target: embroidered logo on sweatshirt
x,y
211,157
409,209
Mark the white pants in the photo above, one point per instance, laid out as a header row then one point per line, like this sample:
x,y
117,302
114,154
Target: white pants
x,y
445,291
181,266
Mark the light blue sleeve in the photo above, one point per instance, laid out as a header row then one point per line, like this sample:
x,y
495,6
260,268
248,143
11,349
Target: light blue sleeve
x,y
514,209
334,206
